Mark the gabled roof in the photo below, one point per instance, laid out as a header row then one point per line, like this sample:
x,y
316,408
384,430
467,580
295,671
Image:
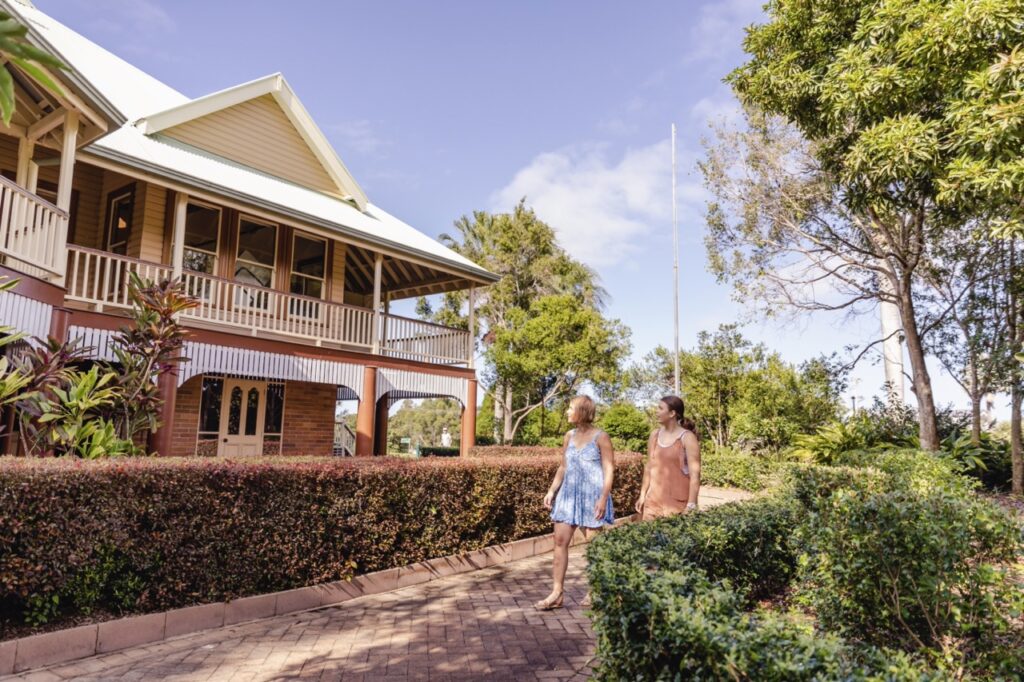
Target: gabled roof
x,y
132,94
277,87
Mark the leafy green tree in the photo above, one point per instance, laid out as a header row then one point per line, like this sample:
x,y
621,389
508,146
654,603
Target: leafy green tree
x,y
887,93
422,424
628,426
559,340
524,252
743,395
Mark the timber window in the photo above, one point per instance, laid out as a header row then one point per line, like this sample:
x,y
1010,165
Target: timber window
x,y
120,208
202,234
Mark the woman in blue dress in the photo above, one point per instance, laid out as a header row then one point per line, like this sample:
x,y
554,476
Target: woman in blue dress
x,y
580,494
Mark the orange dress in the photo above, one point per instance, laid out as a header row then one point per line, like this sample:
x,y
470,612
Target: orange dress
x,y
669,486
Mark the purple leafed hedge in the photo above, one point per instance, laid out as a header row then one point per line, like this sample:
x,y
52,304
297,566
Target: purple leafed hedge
x,y
138,535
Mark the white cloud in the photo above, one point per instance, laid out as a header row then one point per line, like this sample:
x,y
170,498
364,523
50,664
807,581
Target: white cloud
x,y
719,24
359,136
721,107
130,17
602,208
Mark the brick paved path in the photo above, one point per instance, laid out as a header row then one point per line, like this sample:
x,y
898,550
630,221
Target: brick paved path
x,y
464,627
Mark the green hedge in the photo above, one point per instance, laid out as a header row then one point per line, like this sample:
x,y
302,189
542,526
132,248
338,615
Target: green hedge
x,y
139,535
432,451
799,585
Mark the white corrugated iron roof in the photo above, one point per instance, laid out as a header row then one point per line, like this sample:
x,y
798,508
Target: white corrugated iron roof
x,y
136,94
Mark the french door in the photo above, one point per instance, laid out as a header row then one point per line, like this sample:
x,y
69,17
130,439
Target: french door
x,y
241,418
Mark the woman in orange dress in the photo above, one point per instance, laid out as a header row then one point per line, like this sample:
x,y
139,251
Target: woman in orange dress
x,y
671,481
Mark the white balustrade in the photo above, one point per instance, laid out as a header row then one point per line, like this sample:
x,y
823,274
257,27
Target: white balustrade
x,y
32,232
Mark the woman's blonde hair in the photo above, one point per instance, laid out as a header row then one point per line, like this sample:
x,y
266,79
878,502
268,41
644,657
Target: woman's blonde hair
x,y
584,408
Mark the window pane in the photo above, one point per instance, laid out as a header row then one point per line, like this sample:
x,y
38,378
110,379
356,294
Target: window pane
x,y
252,408
120,223
307,286
202,227
256,275
198,261
309,257
209,411
235,411
257,243
275,409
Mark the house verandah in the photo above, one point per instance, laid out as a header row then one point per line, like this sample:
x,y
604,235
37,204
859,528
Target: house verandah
x,y
293,270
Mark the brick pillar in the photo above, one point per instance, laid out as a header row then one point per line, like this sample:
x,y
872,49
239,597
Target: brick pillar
x,y
60,320
468,419
159,441
367,408
380,434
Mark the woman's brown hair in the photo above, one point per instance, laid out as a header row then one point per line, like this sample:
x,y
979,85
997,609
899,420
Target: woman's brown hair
x,y
675,403
585,410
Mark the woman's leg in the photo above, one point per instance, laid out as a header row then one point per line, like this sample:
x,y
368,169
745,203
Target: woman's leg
x,y
563,536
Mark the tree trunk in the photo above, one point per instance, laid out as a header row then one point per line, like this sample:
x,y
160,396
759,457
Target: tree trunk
x,y
499,413
1016,440
976,395
929,432
976,419
509,434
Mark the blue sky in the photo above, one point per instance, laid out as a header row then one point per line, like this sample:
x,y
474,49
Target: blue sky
x,y
445,107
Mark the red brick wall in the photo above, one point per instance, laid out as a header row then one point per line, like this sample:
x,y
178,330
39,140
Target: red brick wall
x,y
308,419
186,418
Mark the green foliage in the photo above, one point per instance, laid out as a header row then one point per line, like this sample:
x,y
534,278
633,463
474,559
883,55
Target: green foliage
x,y
891,549
537,276
144,350
119,535
100,412
423,424
743,395
737,469
432,451
73,426
672,598
559,338
627,425
15,48
988,460
904,96
909,557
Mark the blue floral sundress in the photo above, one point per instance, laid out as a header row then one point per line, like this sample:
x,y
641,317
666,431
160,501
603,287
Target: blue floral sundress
x,y
581,486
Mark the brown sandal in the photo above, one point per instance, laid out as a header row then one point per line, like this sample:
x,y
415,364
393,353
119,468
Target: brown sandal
x,y
545,605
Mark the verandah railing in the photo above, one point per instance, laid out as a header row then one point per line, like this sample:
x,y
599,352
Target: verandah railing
x,y
32,232
101,278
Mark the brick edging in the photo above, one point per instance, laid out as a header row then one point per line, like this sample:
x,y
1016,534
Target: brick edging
x,y
61,646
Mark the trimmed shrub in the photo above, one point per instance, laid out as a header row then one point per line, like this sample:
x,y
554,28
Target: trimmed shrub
x,y
138,535
902,553
432,451
729,469
671,601
892,549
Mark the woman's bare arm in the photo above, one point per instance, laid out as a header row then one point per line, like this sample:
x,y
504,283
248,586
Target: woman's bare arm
x,y
691,446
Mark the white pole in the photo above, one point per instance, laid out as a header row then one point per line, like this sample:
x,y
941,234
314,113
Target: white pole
x,y
675,267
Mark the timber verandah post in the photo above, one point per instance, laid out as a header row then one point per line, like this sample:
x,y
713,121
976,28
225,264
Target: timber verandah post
x,y
160,441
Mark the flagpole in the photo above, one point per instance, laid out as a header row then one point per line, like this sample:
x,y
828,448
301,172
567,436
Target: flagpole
x,y
675,267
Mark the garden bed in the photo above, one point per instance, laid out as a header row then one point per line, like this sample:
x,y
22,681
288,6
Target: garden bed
x,y
127,536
